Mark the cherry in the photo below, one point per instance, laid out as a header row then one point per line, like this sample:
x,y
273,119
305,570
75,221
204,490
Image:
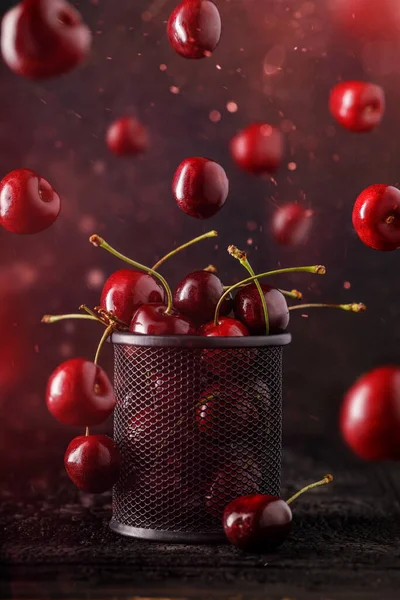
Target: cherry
x,y
357,105
291,224
368,19
376,217
225,327
197,295
200,187
214,358
194,28
127,136
259,148
370,416
248,309
152,319
125,290
92,463
28,203
261,522
80,393
44,38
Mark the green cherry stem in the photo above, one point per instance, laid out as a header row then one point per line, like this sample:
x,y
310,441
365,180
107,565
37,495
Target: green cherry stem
x,y
106,334
99,242
242,258
355,307
56,318
293,294
315,269
324,481
205,236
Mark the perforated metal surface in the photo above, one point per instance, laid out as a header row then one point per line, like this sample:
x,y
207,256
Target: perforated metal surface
x,y
196,427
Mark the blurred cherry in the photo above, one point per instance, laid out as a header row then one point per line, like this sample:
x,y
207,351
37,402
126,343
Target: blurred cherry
x,y
16,339
151,319
194,28
248,309
197,295
127,136
200,187
370,416
28,203
376,217
367,20
44,38
80,393
357,105
291,224
258,149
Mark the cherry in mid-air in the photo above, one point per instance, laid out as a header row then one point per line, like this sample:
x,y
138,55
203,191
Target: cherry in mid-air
x,y
125,290
194,28
367,20
370,416
258,149
249,310
197,295
154,319
127,136
376,217
28,203
44,38
291,224
80,393
92,463
357,105
200,187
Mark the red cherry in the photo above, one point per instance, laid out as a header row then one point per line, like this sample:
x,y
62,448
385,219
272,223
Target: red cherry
x,y
126,290
197,296
258,522
44,38
200,187
194,28
248,309
226,327
370,416
376,217
357,105
215,358
92,463
259,148
127,136
291,224
28,203
368,19
80,393
151,319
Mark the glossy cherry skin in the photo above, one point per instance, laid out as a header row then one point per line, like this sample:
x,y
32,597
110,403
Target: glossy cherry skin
x,y
197,296
376,217
127,136
80,393
28,203
226,327
126,290
291,224
44,38
258,149
248,309
357,105
200,187
92,463
370,415
194,28
151,319
257,523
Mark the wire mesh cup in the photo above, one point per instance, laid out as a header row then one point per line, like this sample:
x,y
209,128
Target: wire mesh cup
x,y
198,422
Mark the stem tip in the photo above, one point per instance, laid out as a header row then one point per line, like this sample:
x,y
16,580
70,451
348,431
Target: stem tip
x,y
96,240
320,269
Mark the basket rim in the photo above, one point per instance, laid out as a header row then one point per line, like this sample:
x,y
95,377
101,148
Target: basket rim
x,y
194,341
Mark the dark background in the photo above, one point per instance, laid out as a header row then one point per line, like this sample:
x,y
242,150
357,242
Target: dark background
x,y
277,61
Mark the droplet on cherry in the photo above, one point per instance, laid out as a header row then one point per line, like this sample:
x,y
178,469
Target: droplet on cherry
x,y
357,105
127,136
376,217
291,224
194,28
258,149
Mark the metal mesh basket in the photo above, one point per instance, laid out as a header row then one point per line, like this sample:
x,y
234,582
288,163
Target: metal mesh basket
x,y
198,422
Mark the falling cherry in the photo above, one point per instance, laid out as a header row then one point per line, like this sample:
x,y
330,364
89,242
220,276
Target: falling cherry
x,y
194,28
127,136
258,149
357,105
376,217
291,224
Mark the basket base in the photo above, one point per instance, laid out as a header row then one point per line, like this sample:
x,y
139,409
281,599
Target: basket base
x,y
174,537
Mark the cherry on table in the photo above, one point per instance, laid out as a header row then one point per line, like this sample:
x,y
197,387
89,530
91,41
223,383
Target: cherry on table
x,y
258,149
127,136
194,28
197,296
370,415
28,203
93,463
291,224
80,393
248,309
44,38
152,319
200,187
357,105
376,217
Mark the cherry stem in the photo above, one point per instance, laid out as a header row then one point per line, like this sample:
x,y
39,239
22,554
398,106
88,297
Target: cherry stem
x,y
205,236
87,431
294,294
315,269
242,258
56,318
98,241
106,334
324,481
355,307
211,269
